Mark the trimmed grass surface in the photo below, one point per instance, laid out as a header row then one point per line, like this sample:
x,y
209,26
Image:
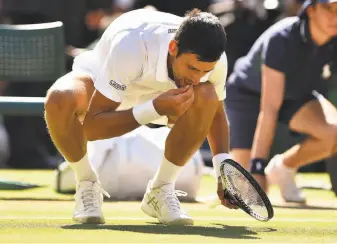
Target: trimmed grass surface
x,y
40,215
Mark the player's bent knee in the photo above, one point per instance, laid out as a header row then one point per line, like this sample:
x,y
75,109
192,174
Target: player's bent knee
x,y
205,95
331,140
328,137
59,103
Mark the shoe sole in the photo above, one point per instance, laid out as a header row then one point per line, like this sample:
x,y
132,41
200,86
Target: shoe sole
x,y
89,220
302,201
180,222
145,208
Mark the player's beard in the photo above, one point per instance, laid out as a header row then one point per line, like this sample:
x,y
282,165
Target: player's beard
x,y
179,82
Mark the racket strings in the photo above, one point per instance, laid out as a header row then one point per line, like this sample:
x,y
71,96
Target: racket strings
x,y
240,186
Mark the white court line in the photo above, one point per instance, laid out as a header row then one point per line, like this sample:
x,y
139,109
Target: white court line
x,y
149,219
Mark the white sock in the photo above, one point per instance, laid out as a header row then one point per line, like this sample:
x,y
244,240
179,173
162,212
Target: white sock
x,y
285,167
166,174
83,170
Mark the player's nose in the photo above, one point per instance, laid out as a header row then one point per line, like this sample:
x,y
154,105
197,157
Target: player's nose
x,y
195,80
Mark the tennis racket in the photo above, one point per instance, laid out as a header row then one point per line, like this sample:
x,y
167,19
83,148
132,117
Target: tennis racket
x,y
242,190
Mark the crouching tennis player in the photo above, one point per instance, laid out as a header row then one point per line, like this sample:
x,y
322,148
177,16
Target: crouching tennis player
x,y
148,67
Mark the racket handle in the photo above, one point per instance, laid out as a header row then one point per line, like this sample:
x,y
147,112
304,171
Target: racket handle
x,y
229,197
216,202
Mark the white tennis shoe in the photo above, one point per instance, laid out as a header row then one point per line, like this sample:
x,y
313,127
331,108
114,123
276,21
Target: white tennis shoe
x,y
89,199
277,173
162,203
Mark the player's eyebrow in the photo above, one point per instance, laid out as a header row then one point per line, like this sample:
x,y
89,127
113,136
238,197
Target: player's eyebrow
x,y
194,68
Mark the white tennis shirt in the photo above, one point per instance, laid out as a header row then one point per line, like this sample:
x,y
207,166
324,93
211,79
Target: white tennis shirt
x,y
129,63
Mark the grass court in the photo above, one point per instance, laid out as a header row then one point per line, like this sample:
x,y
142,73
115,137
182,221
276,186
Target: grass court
x,y
40,215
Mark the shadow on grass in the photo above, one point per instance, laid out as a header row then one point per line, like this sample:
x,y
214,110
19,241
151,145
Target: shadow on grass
x,y
218,230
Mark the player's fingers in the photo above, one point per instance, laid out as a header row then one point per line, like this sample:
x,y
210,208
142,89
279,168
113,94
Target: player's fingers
x,y
180,90
186,95
228,204
224,201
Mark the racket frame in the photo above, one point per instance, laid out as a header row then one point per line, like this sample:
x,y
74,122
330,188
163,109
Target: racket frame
x,y
236,199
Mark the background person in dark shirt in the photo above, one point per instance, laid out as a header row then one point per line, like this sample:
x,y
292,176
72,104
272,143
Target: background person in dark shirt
x,y
279,80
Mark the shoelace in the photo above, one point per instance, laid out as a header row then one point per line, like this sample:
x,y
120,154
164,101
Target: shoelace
x,y
89,197
171,199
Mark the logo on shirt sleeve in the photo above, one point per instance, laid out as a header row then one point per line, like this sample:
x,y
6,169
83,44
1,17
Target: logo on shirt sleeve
x,y
172,31
117,85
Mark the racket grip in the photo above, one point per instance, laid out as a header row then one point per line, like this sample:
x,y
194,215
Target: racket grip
x,y
229,197
216,202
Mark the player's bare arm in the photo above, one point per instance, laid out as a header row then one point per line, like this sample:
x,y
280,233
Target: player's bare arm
x,y
218,139
102,121
218,135
271,100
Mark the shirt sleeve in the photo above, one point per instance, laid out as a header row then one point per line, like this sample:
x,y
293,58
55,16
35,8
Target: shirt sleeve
x,y
274,52
113,64
218,77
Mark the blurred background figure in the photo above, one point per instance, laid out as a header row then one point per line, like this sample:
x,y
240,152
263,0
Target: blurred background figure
x,y
28,139
279,81
175,7
292,7
244,22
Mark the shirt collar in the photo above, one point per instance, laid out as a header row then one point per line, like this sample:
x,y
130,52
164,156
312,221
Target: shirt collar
x,y
162,72
306,35
305,32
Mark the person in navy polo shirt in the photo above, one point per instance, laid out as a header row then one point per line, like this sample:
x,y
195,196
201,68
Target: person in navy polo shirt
x,y
280,80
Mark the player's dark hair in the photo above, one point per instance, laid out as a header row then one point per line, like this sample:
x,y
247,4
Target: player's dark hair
x,y
201,33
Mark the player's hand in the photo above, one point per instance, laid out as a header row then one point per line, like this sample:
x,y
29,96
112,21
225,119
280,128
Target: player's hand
x,y
174,102
226,202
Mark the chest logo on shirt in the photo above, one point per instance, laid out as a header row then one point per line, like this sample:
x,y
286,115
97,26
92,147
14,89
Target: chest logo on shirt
x,y
326,72
117,85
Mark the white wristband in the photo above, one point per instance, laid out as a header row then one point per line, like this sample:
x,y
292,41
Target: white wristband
x,y
145,113
217,160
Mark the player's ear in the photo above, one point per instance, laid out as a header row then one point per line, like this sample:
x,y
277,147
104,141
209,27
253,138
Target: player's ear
x,y
310,11
173,48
